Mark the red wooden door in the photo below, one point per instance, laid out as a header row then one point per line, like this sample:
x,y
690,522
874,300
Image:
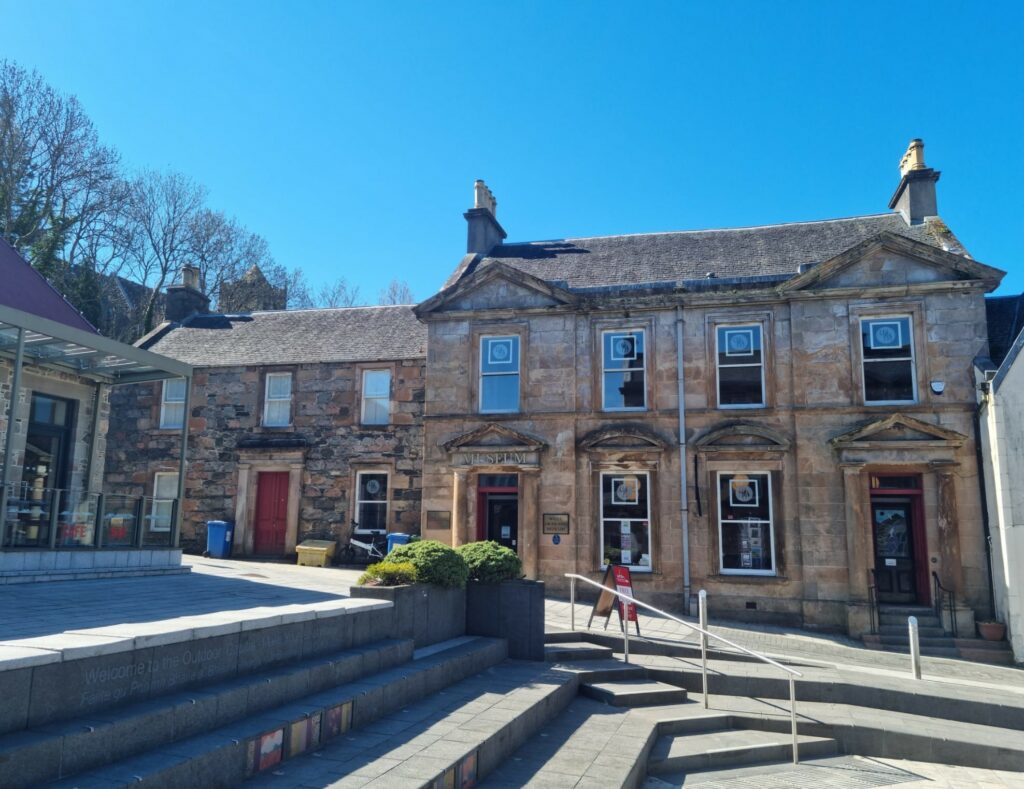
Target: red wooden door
x,y
271,512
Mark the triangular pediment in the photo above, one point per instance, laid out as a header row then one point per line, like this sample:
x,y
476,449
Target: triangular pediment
x,y
742,436
889,259
899,430
494,287
619,437
495,437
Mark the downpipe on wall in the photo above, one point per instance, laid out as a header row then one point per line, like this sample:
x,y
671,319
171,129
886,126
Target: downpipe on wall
x,y
684,497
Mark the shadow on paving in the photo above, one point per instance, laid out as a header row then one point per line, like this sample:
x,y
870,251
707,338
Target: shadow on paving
x,y
41,609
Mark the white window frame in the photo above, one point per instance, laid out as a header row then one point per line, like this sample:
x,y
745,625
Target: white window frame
x,y
606,369
267,400
722,569
718,368
865,361
158,504
165,401
633,568
358,501
376,398
518,374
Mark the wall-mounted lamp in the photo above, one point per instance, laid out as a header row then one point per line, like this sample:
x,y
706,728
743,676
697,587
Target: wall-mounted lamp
x,y
938,387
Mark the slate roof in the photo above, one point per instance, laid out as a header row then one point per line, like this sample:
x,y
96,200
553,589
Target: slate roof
x,y
774,251
1005,316
27,290
352,334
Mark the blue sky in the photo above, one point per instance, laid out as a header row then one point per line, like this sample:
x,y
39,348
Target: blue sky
x,y
349,134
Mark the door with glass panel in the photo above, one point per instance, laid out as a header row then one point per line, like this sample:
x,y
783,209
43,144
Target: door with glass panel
x,y
45,468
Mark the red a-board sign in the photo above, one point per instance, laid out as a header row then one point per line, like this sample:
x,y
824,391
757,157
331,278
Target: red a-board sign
x,y
624,584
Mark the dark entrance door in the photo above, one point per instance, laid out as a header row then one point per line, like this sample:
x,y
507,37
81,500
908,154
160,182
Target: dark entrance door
x,y
271,513
895,572
46,466
503,519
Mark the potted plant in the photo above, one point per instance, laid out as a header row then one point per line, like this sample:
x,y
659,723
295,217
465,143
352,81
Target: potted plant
x,y
499,603
430,602
992,630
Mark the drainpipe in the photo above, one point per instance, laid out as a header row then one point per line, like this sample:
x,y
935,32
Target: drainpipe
x,y
684,498
986,400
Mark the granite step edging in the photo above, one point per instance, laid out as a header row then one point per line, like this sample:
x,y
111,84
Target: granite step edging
x,y
231,754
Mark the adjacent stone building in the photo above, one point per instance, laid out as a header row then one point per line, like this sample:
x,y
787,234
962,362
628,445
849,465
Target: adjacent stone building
x,y
303,422
824,458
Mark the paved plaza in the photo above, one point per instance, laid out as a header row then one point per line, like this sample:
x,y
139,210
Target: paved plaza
x,y
45,615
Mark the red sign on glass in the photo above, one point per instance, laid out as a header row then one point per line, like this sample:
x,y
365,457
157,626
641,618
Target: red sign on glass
x,y
624,584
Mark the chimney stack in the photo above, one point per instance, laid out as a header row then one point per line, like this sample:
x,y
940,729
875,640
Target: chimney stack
x,y
186,299
915,195
484,232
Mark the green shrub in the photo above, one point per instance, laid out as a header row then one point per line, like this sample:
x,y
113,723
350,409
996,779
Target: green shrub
x,y
384,574
491,563
435,563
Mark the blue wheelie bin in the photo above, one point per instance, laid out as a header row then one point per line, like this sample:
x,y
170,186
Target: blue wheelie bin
x,y
395,539
218,538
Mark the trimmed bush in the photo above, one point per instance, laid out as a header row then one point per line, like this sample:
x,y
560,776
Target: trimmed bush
x,y
435,563
383,574
491,563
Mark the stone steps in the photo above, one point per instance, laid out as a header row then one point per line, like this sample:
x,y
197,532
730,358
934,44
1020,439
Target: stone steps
x,y
901,630
67,748
977,650
710,750
576,650
229,754
633,692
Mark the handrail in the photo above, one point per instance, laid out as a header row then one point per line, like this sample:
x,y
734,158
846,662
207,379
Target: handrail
x,y
793,673
939,589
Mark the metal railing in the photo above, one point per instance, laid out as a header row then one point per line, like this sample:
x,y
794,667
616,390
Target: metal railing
x,y
873,603
791,674
58,518
947,597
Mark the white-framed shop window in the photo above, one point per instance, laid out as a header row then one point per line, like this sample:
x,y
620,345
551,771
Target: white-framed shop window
x,y
376,405
499,374
624,370
746,533
277,403
172,404
739,356
165,491
371,513
626,520
887,350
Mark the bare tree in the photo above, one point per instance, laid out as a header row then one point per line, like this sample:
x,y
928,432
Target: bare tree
x,y
397,292
301,295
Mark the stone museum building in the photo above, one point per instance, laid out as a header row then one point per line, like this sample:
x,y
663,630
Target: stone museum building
x,y
303,422
780,415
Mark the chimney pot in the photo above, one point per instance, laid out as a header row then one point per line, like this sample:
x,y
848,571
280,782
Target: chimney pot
x,y
484,232
915,196
186,299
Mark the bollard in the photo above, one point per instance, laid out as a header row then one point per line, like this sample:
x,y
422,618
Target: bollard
x,y
702,610
915,647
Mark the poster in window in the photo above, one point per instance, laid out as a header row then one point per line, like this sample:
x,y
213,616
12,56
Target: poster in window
x,y
626,490
744,492
885,335
623,347
499,351
739,342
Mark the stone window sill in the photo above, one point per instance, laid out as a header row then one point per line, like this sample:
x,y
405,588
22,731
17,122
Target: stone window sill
x,y
749,579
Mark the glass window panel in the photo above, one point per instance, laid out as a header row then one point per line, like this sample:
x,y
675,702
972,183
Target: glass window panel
x,y
376,411
886,338
174,390
624,495
625,527
371,500
498,481
739,386
889,381
279,385
165,490
277,413
624,390
896,483
499,393
745,525
377,383
624,350
373,487
739,344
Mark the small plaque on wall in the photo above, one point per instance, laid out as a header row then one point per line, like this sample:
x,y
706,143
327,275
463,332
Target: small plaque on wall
x,y
439,519
556,523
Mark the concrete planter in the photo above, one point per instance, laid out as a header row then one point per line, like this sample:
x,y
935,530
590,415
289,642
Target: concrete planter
x,y
423,612
513,610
